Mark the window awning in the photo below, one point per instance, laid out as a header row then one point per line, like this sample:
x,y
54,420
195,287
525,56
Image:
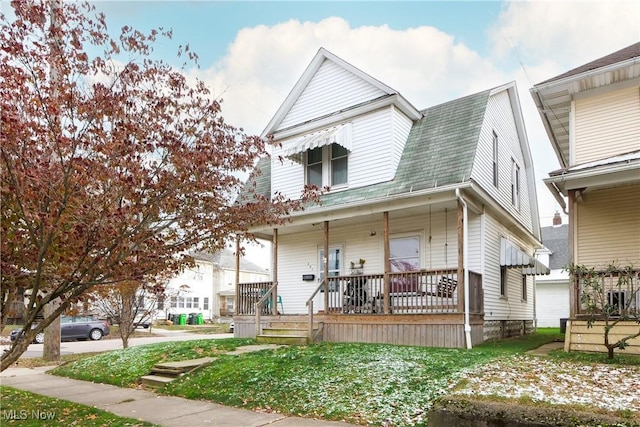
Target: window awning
x,y
512,257
340,135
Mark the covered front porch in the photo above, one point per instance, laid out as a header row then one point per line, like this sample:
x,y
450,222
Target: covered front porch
x,y
425,307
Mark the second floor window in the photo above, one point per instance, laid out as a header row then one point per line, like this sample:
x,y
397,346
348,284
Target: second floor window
x,y
327,166
314,167
515,185
495,159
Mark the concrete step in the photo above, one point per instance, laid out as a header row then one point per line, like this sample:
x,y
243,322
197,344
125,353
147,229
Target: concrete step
x,y
155,381
184,365
283,339
164,372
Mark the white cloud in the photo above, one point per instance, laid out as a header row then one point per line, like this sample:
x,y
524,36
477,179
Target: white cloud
x,y
564,34
263,63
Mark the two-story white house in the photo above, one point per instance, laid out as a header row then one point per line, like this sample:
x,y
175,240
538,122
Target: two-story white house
x,y
592,118
208,288
426,235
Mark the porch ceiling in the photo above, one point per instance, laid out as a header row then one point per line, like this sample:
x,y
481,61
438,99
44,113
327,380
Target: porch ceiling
x,y
358,216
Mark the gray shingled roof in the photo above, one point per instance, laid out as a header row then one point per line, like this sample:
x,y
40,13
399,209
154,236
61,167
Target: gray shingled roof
x,y
226,260
440,150
621,55
556,239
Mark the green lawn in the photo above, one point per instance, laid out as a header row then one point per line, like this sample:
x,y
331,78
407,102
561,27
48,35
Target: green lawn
x,y
371,384
28,409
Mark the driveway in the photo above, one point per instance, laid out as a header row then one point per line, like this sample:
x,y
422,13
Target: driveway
x,y
115,343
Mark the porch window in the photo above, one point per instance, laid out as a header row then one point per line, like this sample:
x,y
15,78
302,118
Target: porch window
x,y
196,302
495,159
524,288
205,303
335,261
327,166
503,282
515,185
230,304
404,254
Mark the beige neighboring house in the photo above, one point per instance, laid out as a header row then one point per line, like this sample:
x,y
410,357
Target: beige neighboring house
x,y
592,117
208,288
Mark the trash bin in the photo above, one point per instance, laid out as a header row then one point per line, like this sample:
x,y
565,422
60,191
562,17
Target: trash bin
x,y
193,319
563,325
199,319
182,320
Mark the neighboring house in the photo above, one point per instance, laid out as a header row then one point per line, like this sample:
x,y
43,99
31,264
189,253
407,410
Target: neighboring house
x,y
592,117
427,233
552,290
208,288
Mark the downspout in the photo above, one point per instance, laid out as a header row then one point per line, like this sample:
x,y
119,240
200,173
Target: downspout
x,y
465,246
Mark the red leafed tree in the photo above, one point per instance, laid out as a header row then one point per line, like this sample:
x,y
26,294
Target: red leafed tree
x,y
112,164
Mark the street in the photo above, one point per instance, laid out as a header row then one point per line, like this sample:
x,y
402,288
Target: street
x,y
113,342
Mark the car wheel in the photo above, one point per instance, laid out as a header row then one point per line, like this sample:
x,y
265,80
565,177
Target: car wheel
x,y
95,334
39,339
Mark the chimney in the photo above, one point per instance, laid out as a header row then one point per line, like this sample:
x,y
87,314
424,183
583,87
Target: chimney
x,y
557,219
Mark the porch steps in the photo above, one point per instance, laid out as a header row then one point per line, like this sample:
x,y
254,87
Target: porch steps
x,y
163,373
285,332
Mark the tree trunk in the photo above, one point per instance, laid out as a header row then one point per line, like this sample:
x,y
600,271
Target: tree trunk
x,y
11,356
127,313
52,334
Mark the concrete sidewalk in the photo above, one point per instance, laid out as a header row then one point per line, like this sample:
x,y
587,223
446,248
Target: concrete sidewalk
x,y
146,405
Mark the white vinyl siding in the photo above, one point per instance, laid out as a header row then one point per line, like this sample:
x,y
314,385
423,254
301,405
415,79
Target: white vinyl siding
x,y
499,119
606,234
496,307
331,89
607,124
298,252
401,127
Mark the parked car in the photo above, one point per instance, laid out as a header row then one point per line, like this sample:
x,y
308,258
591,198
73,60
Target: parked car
x,y
73,327
142,321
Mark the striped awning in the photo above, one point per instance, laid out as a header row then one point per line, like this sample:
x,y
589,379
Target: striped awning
x,y
512,257
340,135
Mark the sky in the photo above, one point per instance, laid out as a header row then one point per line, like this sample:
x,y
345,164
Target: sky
x,y
251,53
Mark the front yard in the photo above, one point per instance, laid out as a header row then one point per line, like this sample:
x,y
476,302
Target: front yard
x,y
376,384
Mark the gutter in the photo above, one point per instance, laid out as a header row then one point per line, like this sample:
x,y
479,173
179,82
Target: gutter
x,y
465,246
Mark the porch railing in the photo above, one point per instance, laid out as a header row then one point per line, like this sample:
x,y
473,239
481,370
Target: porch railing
x,y
265,305
249,294
615,290
423,291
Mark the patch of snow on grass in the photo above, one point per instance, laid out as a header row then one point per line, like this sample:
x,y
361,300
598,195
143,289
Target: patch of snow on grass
x,y
563,383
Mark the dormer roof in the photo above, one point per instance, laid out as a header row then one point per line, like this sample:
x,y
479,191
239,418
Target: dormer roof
x,y
385,96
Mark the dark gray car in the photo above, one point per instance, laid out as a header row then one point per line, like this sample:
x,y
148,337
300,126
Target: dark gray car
x,y
74,327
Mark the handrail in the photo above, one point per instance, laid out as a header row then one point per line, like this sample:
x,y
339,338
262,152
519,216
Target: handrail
x,y
323,284
260,304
